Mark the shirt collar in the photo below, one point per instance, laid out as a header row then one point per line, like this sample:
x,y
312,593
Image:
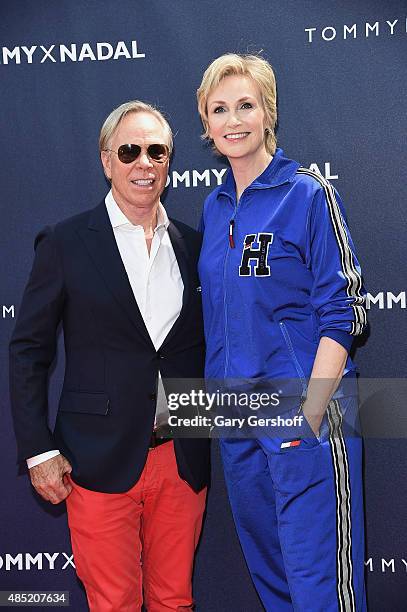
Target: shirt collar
x,y
118,218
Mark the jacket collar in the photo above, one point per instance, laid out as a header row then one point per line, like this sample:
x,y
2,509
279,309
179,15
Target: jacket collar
x,y
279,171
101,244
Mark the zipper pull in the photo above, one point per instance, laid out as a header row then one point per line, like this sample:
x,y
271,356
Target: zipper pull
x,y
231,240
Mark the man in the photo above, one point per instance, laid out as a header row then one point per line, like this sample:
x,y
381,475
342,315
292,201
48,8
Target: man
x,y
122,280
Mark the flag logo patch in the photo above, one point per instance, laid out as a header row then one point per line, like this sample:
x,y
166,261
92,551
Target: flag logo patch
x,y
291,443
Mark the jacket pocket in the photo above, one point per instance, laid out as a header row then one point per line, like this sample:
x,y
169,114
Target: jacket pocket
x,y
84,402
291,351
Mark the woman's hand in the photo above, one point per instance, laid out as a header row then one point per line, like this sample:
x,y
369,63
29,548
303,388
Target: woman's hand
x,y
326,374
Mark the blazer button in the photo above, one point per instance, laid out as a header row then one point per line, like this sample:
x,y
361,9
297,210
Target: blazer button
x,y
153,396
160,355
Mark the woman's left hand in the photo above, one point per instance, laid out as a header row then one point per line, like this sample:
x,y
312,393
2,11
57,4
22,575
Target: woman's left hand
x,y
326,374
314,419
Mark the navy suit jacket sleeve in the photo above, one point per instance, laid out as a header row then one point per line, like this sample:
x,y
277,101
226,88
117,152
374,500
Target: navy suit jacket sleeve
x,y
33,347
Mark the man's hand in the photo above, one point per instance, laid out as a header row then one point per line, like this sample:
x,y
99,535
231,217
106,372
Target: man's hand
x,y
50,479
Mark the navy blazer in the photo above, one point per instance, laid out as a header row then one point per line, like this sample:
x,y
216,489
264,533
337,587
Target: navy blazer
x,y
107,405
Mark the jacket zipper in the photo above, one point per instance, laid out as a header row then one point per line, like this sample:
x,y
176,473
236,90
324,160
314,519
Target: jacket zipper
x,y
231,244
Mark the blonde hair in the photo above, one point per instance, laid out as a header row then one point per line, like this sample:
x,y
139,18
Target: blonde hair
x,y
112,122
257,69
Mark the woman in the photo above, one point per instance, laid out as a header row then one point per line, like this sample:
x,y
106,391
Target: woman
x,y
283,299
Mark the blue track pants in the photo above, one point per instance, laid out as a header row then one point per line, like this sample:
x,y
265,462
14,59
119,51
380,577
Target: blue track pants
x,y
298,512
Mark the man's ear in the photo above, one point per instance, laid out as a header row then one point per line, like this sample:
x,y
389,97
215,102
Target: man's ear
x,y
105,157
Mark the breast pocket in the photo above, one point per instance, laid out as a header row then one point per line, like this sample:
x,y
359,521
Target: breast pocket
x,y
84,402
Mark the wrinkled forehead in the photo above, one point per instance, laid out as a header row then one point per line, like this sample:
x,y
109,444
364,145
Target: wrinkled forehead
x,y
140,128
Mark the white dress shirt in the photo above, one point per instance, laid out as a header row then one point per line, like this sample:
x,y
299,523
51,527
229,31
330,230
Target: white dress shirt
x,y
156,282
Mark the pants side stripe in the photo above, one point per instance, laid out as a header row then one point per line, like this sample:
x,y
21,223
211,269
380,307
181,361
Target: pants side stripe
x,y
346,595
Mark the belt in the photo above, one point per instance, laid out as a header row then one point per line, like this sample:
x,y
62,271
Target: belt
x,y
156,440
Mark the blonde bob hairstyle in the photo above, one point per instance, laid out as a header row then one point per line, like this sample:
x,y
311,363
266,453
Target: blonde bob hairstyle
x,y
257,69
112,122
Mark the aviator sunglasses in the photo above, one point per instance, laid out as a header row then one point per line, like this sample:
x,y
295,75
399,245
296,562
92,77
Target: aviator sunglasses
x,y
128,153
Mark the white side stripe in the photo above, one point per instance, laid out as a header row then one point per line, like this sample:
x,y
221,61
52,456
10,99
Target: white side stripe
x,y
353,277
346,594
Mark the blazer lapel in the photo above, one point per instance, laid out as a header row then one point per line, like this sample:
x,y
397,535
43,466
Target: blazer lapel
x,y
101,245
181,253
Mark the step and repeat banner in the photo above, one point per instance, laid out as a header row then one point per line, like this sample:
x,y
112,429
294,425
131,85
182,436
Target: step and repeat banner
x,y
342,71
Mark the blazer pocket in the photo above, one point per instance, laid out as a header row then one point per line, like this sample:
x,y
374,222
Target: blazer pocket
x,y
84,402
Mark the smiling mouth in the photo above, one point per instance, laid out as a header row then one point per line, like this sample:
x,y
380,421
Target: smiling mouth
x,y
143,182
237,136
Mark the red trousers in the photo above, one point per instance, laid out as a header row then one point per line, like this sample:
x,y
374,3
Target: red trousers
x,y
141,541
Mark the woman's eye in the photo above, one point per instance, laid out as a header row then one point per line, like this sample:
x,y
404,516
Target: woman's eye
x,y
247,105
219,109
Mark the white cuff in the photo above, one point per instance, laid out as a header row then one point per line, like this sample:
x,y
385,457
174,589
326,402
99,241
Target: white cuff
x,y
32,461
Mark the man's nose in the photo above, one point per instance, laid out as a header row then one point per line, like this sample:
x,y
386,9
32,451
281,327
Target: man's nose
x,y
143,160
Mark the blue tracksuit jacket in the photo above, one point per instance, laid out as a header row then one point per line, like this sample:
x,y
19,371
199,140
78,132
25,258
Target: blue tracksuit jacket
x,y
278,271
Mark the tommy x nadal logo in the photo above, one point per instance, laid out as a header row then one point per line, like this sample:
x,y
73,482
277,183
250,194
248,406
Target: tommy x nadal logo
x,y
258,254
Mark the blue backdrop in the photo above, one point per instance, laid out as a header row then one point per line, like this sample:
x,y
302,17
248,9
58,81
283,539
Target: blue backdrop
x,y
341,72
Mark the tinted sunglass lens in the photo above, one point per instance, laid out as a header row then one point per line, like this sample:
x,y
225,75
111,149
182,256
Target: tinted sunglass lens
x,y
127,153
158,152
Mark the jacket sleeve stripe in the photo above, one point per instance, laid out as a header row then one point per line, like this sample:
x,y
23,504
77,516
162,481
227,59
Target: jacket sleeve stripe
x,y
353,277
